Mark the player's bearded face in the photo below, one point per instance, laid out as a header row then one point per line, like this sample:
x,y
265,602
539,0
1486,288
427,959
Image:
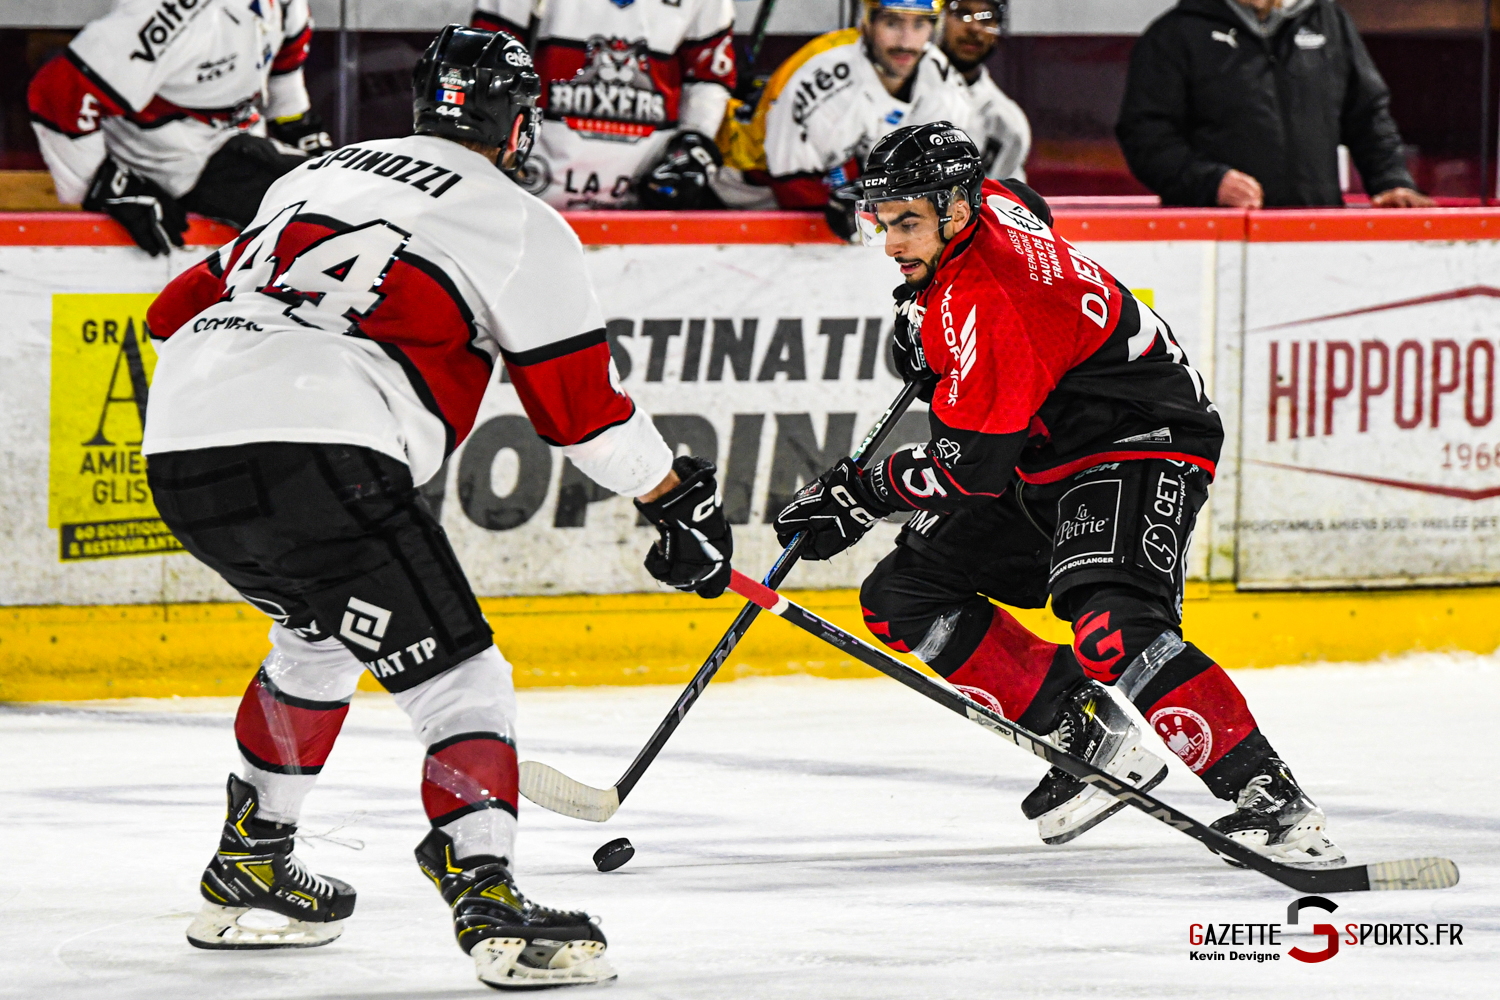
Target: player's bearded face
x,y
968,42
897,40
913,238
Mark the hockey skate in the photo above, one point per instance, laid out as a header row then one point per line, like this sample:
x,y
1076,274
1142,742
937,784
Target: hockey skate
x,y
1275,817
515,943
1095,728
255,870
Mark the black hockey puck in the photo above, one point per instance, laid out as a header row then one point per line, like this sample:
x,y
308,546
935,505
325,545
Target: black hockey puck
x,y
613,854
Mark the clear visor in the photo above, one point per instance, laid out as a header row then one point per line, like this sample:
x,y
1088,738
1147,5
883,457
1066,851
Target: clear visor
x,y
881,220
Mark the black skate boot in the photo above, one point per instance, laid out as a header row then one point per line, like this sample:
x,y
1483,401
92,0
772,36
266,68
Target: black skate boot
x,y
255,869
1097,729
1275,817
515,943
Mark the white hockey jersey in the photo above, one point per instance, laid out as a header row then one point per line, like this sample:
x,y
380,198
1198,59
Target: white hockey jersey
x,y
160,85
368,303
618,78
823,110
998,127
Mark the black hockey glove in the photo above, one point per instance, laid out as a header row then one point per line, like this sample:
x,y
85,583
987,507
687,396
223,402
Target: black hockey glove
x,y
907,356
840,212
836,510
152,217
304,133
696,544
680,182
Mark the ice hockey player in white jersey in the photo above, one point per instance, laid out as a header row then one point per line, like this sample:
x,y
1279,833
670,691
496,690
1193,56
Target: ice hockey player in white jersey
x,y
161,107
826,106
633,92
312,374
998,126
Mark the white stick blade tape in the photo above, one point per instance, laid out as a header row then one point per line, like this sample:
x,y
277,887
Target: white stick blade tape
x,y
1414,873
551,789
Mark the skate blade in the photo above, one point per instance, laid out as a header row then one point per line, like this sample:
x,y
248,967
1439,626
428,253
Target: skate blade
x,y
1304,846
1090,807
220,928
575,963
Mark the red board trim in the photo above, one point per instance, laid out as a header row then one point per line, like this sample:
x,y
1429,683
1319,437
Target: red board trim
x,y
699,228
92,229
1391,224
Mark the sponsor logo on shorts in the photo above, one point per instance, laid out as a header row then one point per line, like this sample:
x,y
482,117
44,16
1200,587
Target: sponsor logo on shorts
x,y
1186,733
1160,545
1087,526
923,521
365,624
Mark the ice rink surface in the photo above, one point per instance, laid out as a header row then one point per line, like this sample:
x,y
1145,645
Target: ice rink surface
x,y
799,838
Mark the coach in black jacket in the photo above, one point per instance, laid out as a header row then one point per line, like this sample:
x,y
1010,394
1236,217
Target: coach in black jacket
x,y
1244,103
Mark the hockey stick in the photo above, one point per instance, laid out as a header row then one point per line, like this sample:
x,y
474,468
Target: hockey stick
x,y
1414,873
551,789
758,32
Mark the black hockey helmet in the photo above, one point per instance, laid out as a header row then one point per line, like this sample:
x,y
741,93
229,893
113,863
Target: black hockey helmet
x,y
477,86
935,161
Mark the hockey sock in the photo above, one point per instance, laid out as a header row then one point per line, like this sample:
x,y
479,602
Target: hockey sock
x,y
1128,636
1021,675
289,719
470,782
993,658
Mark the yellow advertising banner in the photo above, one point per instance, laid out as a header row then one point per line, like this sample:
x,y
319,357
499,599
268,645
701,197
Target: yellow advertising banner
x,y
102,363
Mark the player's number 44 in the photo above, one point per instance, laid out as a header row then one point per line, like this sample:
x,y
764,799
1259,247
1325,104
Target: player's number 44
x,y
333,282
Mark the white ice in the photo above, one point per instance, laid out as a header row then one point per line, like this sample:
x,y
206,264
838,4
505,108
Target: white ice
x,y
799,838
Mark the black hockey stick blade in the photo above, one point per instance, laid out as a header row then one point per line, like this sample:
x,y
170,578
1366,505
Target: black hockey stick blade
x,y
1414,873
551,789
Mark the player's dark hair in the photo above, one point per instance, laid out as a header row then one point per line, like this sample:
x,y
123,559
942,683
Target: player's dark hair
x,y
477,86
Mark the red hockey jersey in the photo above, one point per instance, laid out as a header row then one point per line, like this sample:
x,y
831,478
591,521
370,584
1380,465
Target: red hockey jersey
x,y
1048,366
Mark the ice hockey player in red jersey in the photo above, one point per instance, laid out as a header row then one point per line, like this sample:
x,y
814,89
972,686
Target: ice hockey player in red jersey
x,y
633,92
311,375
1072,448
162,107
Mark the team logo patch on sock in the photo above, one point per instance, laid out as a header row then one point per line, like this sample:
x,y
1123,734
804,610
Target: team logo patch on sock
x,y
1186,733
982,696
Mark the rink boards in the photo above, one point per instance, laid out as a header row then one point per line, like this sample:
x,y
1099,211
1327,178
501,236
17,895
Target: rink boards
x,y
1351,354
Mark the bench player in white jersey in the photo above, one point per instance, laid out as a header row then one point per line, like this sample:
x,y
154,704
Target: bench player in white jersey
x,y
632,93
998,126
826,106
312,374
161,107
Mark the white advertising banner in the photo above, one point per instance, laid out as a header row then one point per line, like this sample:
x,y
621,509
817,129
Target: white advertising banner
x,y
772,359
1371,452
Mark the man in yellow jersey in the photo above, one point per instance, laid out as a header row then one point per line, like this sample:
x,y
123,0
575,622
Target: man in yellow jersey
x,y
826,106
